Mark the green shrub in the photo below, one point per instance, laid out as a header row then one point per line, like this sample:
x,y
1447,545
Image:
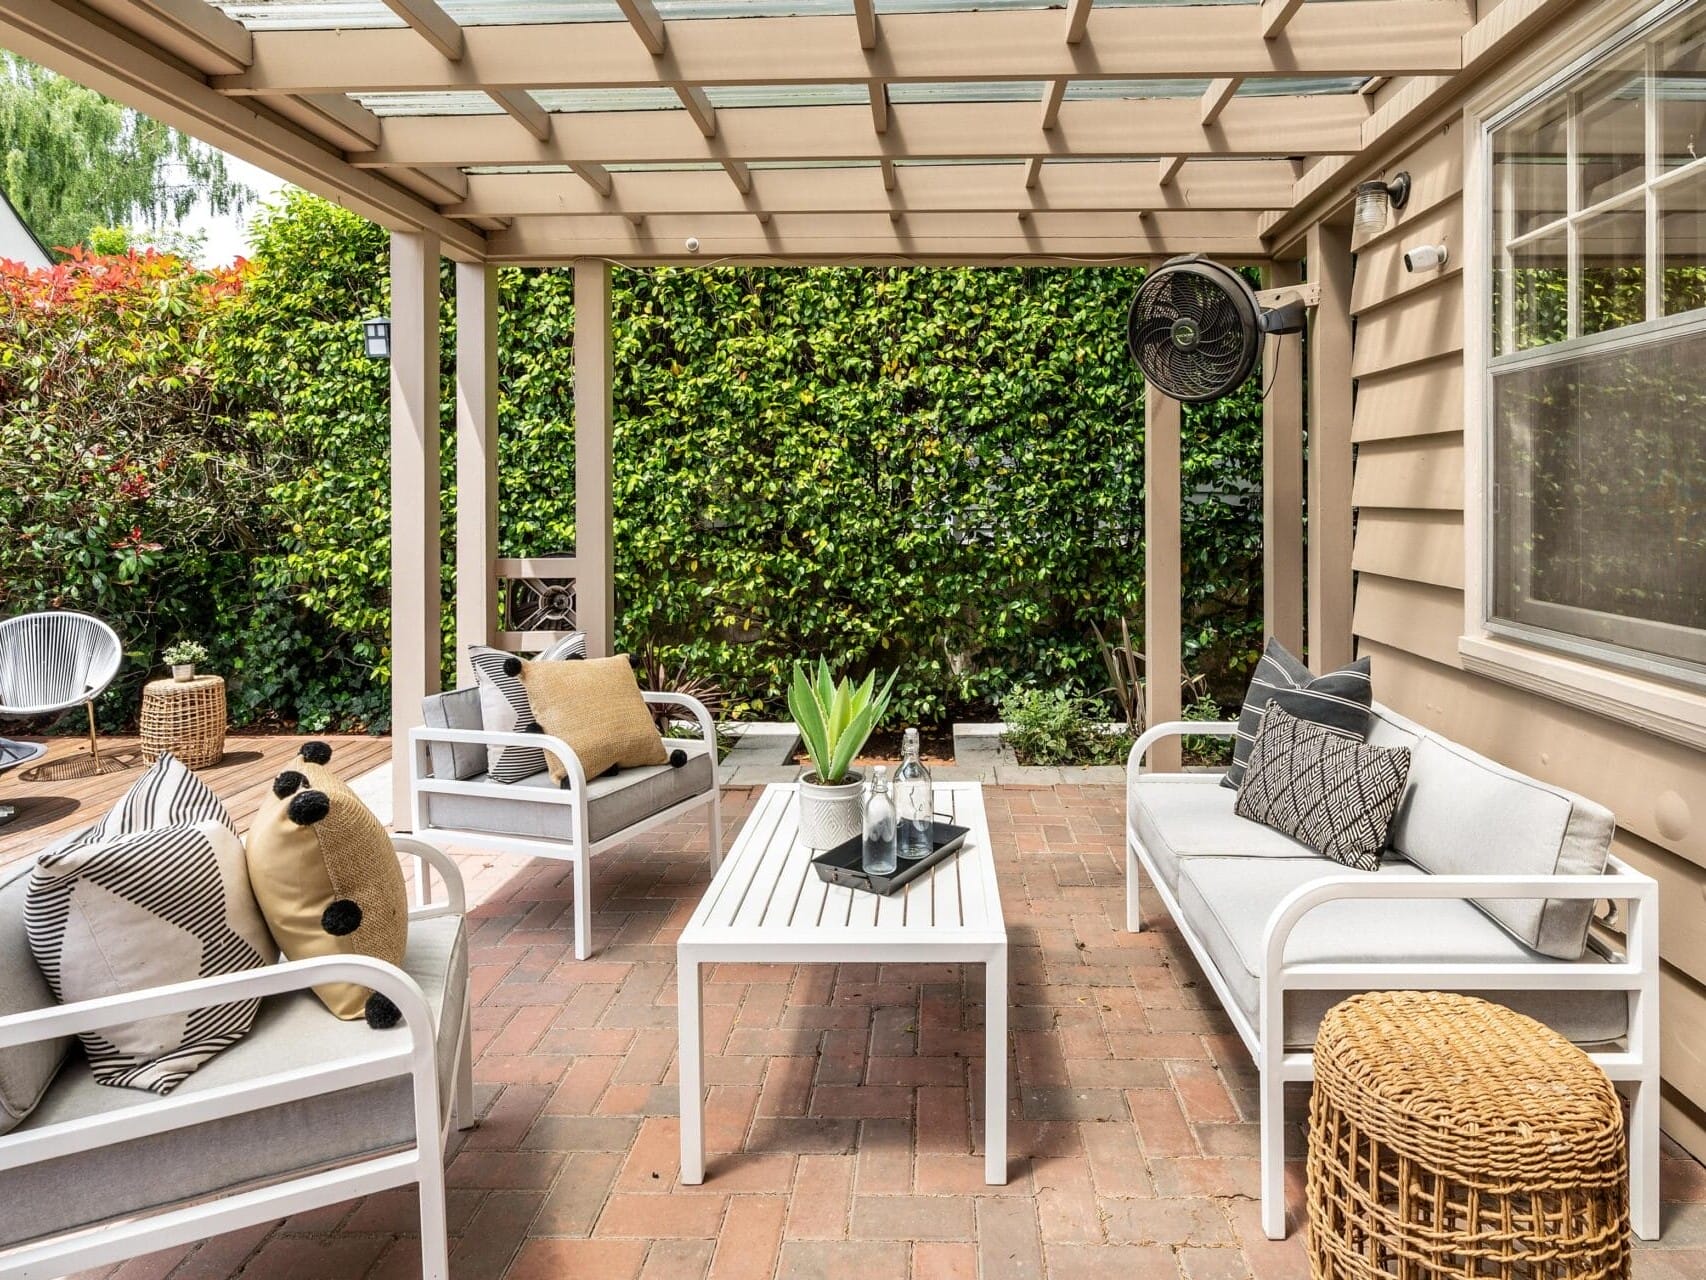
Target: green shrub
x,y
1056,727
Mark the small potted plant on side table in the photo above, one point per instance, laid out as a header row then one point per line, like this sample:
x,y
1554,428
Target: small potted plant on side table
x,y
835,720
183,656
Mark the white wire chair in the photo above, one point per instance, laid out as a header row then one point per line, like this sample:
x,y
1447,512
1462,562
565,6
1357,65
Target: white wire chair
x,y
50,662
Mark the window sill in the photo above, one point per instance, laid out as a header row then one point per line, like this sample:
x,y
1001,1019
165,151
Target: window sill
x,y
1651,705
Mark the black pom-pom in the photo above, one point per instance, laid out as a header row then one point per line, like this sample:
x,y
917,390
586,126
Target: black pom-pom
x,y
612,771
512,667
576,657
308,807
677,758
288,783
564,783
341,917
634,661
381,1014
535,727
316,752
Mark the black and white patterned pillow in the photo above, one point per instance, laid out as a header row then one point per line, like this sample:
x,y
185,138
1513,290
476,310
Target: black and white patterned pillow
x,y
1340,700
504,706
1336,795
147,909
168,794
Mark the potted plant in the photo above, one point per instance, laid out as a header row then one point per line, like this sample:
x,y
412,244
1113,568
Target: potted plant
x,y
836,720
183,656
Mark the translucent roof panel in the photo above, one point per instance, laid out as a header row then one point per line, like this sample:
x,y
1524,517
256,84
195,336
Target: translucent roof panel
x,y
629,99
788,95
435,103
968,91
1254,87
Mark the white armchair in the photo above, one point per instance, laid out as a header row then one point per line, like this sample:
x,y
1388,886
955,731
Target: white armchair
x,y
306,1110
453,799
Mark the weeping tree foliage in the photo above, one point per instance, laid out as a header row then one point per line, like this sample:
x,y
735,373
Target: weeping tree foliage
x,y
72,161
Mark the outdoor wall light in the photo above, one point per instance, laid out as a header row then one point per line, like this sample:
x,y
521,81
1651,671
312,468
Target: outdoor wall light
x,y
1374,199
376,337
1426,257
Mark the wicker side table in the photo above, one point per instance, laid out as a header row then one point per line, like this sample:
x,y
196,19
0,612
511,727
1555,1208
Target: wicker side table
x,y
186,718
1451,1137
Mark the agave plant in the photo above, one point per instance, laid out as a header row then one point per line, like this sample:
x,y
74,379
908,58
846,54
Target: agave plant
x,y
835,719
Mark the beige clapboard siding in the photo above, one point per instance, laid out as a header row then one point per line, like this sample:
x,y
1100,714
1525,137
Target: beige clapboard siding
x,y
1632,773
1413,616
1682,890
1381,276
1682,1034
1436,177
1425,473
1417,400
1416,327
1423,546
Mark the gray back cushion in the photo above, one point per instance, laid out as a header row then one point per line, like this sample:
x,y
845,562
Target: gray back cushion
x,y
1467,815
1386,728
458,709
25,1070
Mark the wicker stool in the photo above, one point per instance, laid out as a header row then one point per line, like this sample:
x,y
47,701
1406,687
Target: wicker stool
x,y
185,717
1451,1137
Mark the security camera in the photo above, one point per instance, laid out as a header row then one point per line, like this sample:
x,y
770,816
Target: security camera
x,y
1426,257
692,244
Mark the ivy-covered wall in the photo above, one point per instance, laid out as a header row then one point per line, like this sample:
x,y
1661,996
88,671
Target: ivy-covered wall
x,y
935,470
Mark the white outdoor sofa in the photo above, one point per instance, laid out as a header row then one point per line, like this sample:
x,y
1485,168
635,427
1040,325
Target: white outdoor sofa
x,y
306,1110
454,799
1283,934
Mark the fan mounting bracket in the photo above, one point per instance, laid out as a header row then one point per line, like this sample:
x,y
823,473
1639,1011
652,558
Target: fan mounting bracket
x,y
1308,294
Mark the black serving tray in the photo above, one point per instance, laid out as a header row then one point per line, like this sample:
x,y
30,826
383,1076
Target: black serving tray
x,y
844,863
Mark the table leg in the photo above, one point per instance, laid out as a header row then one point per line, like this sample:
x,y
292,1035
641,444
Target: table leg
x,y
995,1068
689,1003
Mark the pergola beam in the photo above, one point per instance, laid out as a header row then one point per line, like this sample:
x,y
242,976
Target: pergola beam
x,y
1077,20
432,24
865,15
1167,168
643,16
1054,93
879,106
1277,16
1319,125
521,107
1218,96
189,29
1353,37
699,107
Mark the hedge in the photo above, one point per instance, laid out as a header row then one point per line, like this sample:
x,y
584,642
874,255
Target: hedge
x,y
926,469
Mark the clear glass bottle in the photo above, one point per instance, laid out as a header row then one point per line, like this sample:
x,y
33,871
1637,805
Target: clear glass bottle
x,y
877,855
914,801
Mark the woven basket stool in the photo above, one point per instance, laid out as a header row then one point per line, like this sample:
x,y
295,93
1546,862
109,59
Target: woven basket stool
x,y
1450,1137
185,717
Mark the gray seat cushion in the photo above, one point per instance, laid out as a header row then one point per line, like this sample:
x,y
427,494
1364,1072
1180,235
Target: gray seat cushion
x,y
458,709
614,803
26,1070
1228,902
1189,815
290,1031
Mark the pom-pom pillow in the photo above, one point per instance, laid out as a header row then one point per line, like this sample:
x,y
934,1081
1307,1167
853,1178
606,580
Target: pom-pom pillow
x,y
147,909
328,880
597,708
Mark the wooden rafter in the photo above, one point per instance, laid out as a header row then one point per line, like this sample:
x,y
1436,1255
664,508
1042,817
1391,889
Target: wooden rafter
x,y
432,23
1077,20
1217,96
1167,168
1322,125
193,30
698,106
643,16
521,107
1053,95
1277,15
865,14
879,106
1033,173
1352,37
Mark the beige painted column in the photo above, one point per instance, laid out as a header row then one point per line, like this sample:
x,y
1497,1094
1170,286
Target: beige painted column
x,y
1282,479
415,560
1330,467
1161,568
595,593
476,460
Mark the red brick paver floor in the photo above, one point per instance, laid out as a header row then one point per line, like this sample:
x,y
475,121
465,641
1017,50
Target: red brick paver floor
x,y
843,1105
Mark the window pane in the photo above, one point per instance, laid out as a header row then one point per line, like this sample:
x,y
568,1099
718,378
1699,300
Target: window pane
x,y
1529,173
1682,97
1601,467
1612,131
1533,292
1614,268
1682,233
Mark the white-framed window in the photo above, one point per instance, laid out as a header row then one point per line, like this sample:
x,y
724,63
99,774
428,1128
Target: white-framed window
x,y
1594,398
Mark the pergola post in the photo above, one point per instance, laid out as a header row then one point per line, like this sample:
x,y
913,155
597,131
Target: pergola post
x,y
415,592
1162,579
476,460
1282,481
595,594
1330,463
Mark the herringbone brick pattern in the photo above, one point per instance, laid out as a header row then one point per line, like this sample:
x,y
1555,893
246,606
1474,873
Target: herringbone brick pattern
x,y
843,1106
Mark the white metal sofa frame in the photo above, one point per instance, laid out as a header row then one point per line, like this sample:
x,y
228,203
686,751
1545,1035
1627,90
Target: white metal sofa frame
x,y
411,1052
1635,1068
574,850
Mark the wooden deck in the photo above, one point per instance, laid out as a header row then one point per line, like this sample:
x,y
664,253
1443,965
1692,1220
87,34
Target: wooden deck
x,y
59,793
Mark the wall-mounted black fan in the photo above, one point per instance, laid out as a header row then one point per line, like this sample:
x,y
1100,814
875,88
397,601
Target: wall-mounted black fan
x,y
1196,327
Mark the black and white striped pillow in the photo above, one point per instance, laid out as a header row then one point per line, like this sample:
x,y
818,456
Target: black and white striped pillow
x,y
504,706
146,909
1339,700
168,794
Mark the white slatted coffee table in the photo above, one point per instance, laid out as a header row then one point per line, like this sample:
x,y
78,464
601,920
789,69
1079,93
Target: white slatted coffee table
x,y
767,905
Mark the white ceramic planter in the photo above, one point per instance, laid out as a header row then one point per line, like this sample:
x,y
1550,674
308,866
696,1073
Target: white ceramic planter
x,y
182,671
831,815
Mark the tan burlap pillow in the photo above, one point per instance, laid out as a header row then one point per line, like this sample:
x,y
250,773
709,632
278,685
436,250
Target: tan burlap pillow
x,y
328,880
597,709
